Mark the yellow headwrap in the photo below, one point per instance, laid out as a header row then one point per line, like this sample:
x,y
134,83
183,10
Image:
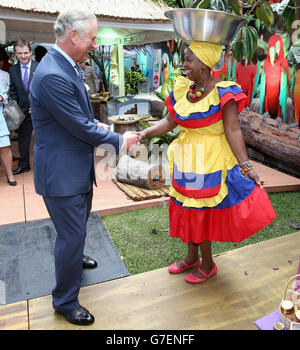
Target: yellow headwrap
x,y
208,53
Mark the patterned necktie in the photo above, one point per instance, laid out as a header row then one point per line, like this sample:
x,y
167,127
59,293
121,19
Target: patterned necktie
x,y
80,72
25,78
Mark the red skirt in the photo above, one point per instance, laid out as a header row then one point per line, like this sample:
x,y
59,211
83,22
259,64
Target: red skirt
x,y
243,212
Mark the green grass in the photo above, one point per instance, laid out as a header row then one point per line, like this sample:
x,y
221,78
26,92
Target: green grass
x,y
142,236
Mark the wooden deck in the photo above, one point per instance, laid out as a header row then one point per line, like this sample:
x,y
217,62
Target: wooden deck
x,y
246,287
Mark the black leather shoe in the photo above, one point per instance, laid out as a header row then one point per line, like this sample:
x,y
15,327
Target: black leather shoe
x,y
80,316
88,262
11,183
20,170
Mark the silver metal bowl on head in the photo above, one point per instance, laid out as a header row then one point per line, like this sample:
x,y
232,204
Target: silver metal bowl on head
x,y
205,25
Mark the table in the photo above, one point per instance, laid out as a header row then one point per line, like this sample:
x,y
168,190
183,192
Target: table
x,y
131,124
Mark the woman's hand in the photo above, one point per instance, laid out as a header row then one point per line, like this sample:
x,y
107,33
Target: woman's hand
x,y
141,135
251,174
162,127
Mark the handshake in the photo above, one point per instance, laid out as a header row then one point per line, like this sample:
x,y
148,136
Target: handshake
x,y
131,138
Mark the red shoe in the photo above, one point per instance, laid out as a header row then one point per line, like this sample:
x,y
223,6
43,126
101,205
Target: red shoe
x,y
175,269
193,279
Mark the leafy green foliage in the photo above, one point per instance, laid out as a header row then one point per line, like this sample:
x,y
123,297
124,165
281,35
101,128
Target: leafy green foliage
x,y
132,79
265,14
164,139
245,44
259,12
219,5
289,15
235,6
201,4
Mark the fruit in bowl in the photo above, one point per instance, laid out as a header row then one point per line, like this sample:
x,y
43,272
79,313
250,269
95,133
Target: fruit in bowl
x,y
95,96
102,96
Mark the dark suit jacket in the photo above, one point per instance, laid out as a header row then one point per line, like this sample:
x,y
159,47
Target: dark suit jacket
x,y
16,88
65,130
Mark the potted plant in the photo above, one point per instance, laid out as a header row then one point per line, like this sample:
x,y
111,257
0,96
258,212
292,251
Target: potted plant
x,y
132,81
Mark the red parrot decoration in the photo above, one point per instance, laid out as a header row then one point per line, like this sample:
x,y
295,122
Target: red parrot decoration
x,y
296,97
245,77
274,80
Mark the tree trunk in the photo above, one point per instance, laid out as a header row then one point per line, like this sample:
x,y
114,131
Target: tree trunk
x,y
139,173
104,81
267,138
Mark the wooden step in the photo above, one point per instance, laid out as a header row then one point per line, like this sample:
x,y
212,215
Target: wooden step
x,y
249,285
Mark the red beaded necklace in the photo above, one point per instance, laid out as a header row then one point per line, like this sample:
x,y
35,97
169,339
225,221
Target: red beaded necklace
x,y
194,95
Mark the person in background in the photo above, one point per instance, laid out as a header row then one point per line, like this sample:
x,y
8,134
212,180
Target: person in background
x,y
5,82
90,77
5,151
137,69
39,52
5,60
4,75
20,79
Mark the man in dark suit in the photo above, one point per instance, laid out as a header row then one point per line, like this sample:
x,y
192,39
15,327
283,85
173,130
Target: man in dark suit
x,y
20,79
65,136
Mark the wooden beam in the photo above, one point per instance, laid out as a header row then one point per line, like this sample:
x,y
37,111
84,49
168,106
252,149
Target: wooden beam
x,y
121,68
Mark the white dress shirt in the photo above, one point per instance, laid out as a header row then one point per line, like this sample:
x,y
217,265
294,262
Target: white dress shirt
x,y
67,57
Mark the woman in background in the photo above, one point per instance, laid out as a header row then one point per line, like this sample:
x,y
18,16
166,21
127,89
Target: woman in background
x,y
5,151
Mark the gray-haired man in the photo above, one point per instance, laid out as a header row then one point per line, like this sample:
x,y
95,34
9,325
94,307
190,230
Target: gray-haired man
x,y
65,136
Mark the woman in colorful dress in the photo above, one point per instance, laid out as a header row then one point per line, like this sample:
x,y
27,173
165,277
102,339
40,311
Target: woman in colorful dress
x,y
215,193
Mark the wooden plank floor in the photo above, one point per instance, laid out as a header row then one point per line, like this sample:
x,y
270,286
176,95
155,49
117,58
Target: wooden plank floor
x,y
21,203
245,288
14,316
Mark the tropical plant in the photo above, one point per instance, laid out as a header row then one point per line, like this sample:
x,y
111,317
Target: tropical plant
x,y
165,89
260,14
132,81
163,92
164,139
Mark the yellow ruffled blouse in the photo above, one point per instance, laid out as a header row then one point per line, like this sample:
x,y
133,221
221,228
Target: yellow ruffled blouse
x,y
201,156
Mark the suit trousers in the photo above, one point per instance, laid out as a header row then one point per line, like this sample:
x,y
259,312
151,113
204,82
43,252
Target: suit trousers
x,y
24,136
69,216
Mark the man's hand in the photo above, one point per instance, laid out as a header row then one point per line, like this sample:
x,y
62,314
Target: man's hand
x,y
131,139
103,126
